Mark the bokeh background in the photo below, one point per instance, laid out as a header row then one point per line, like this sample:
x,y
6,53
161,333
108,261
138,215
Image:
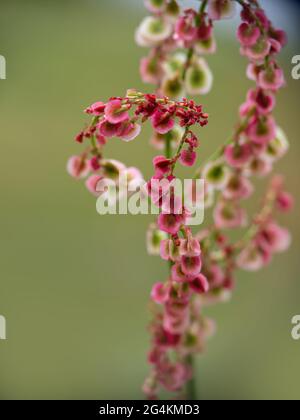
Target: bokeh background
x,y
74,285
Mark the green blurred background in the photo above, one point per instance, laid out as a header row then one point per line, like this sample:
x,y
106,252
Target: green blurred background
x,y
74,285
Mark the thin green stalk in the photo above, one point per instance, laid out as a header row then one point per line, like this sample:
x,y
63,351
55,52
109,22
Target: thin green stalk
x,y
191,386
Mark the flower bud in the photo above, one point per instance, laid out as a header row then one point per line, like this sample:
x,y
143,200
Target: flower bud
x,y
199,78
216,174
154,239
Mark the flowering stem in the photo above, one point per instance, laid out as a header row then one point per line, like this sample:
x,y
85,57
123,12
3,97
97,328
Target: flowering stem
x,y
203,6
191,385
263,216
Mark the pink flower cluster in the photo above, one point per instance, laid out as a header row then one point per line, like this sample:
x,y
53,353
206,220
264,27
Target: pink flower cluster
x,y
257,136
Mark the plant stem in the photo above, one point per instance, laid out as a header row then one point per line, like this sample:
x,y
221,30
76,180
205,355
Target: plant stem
x,y
191,386
190,53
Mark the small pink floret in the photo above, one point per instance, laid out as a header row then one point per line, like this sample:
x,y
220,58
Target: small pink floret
x,y
115,113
